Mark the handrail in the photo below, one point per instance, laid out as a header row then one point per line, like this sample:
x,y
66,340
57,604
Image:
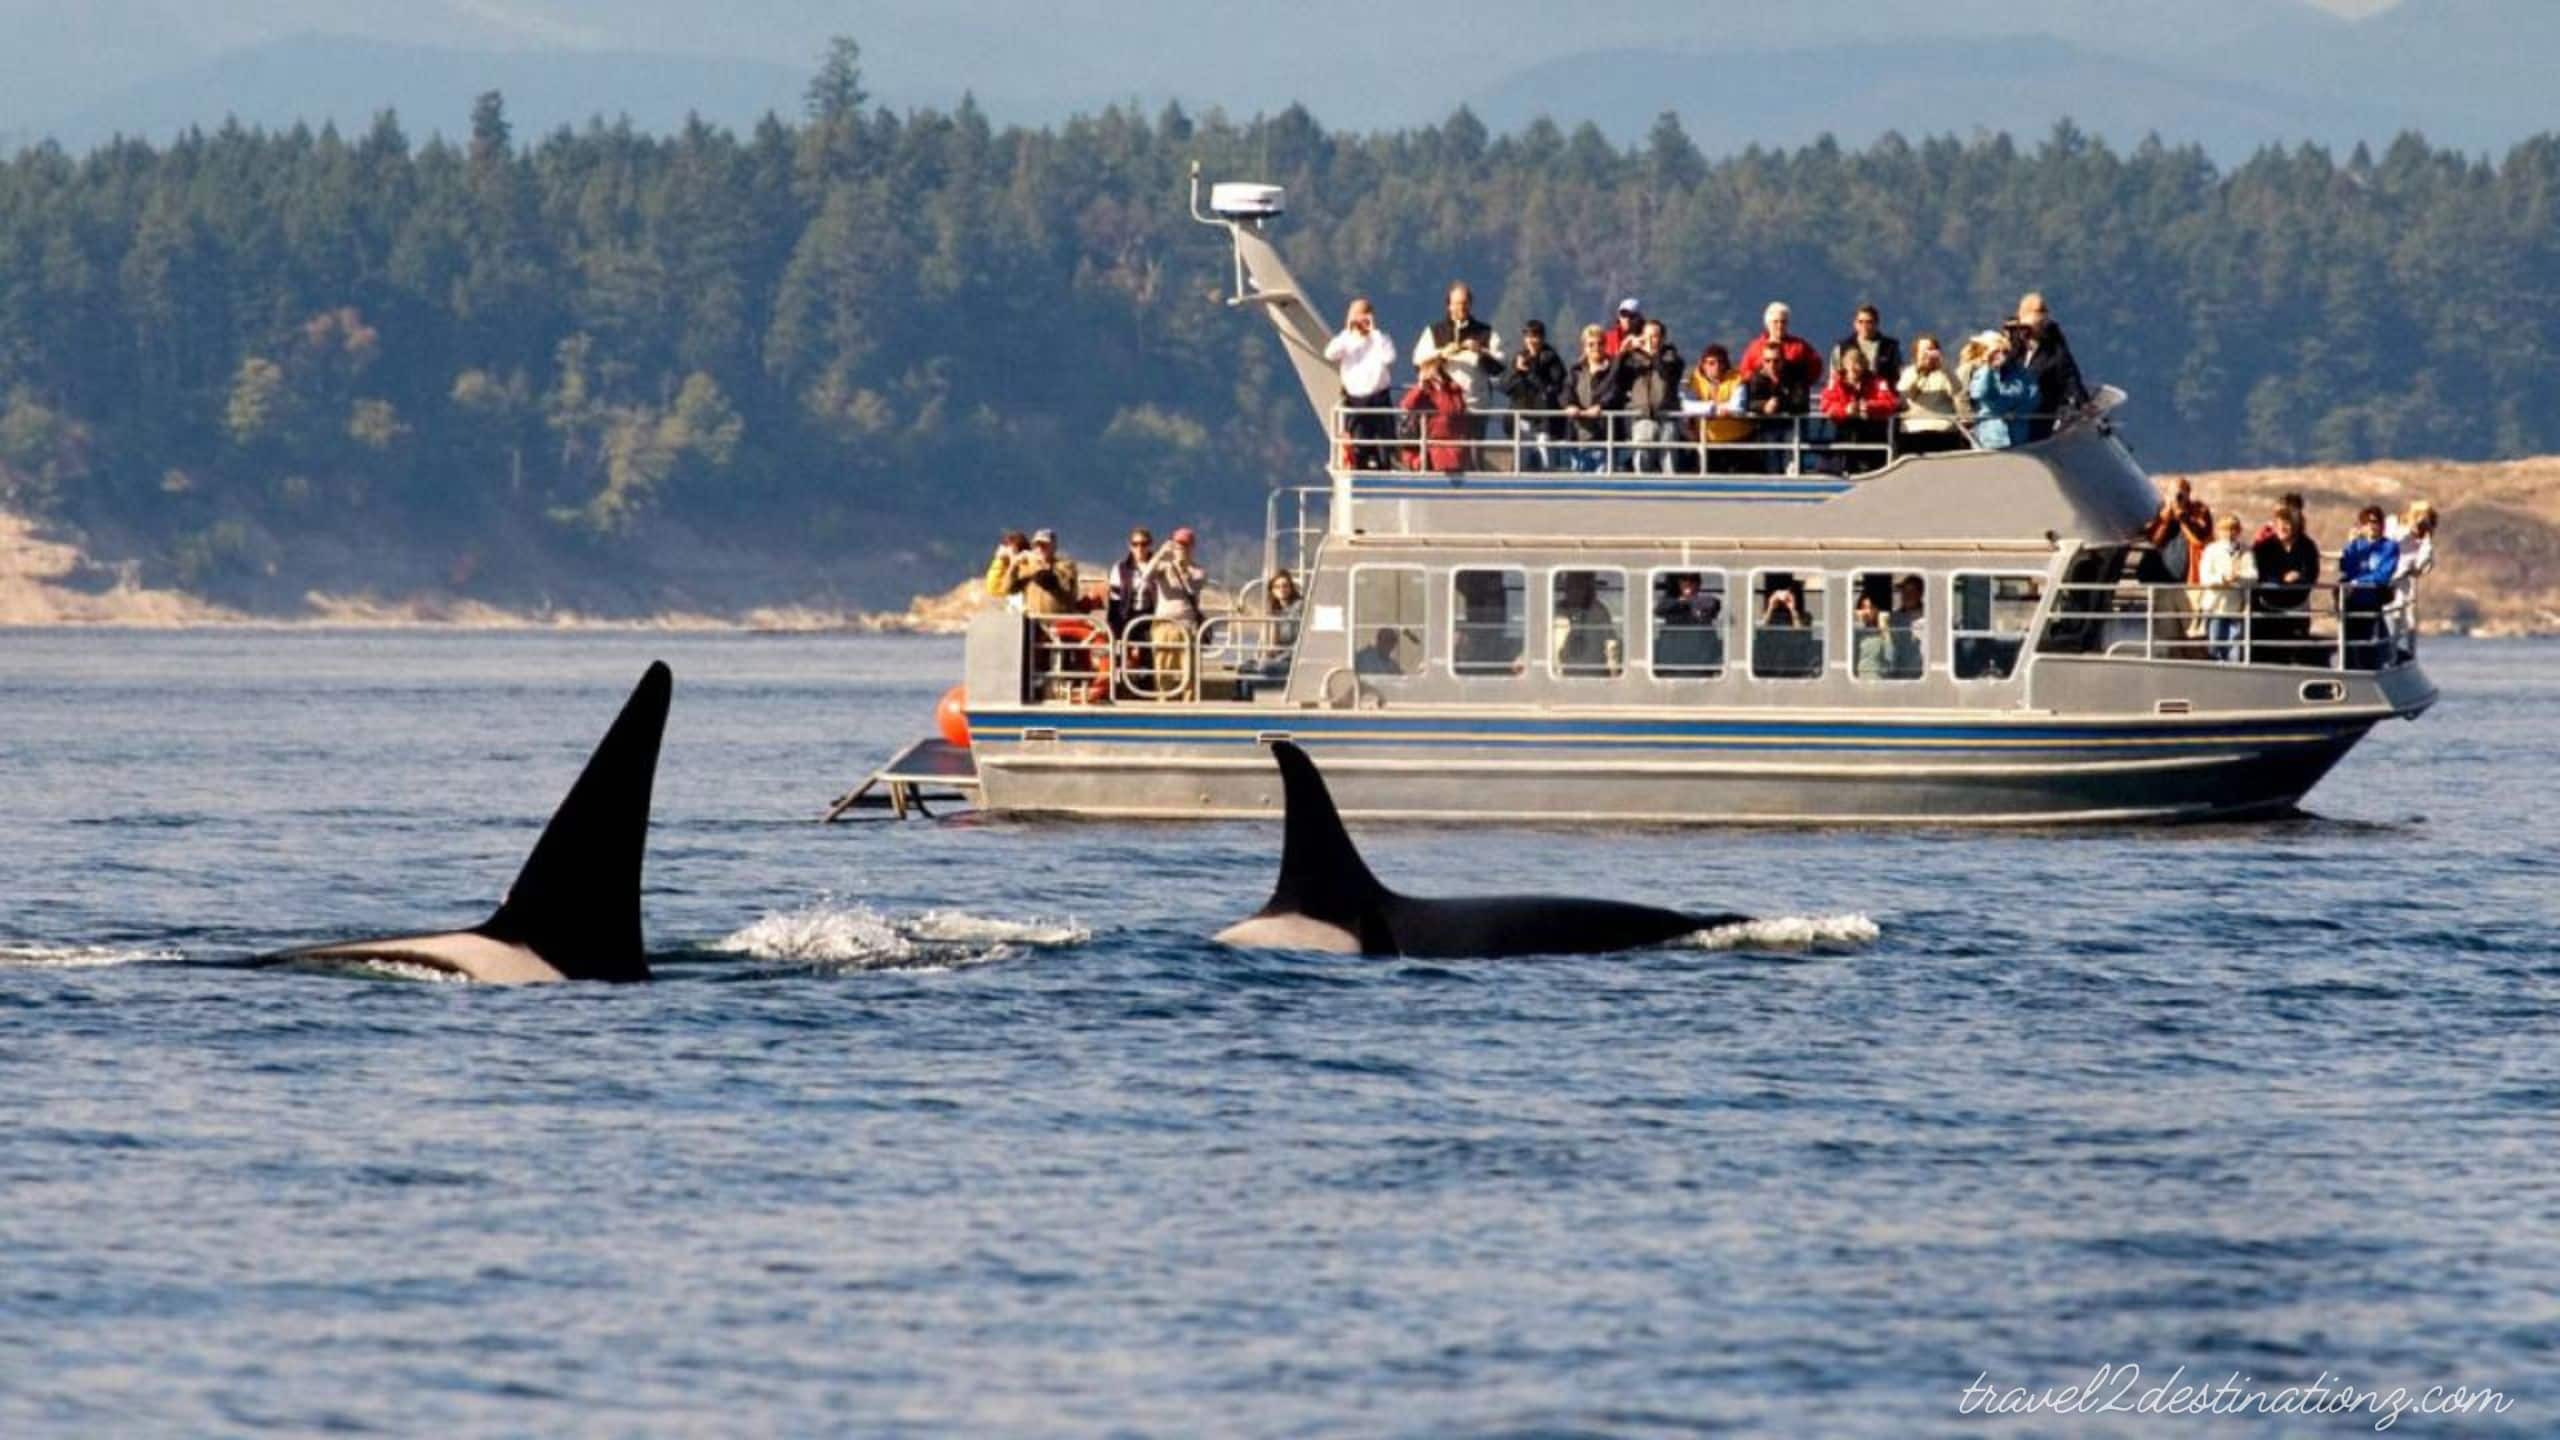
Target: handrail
x,y
2373,627
1541,442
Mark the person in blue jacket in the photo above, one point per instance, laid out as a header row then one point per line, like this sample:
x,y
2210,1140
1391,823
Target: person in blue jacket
x,y
2004,395
2367,567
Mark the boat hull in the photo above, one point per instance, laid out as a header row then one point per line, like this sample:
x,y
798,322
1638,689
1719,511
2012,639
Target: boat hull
x,y
1583,770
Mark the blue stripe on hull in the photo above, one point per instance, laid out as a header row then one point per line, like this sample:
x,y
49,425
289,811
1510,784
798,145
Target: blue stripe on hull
x,y
1376,728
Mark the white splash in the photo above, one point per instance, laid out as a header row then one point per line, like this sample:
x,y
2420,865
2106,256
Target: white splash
x,y
77,957
857,937
1812,934
404,970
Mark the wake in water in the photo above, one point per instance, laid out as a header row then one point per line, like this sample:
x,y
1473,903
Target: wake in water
x,y
78,957
827,936
1805,934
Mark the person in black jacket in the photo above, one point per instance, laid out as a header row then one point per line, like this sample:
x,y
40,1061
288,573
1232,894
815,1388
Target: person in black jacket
x,y
1866,335
1592,391
2046,356
1775,399
1535,382
2288,566
1649,374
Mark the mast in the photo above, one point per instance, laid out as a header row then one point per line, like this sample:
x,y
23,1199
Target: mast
x,y
1263,280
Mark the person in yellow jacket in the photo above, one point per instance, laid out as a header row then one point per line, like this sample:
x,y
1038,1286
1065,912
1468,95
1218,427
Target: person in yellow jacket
x,y
1000,568
1717,389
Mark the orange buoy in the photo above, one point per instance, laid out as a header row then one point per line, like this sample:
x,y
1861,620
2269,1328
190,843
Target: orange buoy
x,y
951,715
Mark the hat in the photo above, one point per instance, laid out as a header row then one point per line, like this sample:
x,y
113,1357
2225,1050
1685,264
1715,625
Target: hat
x,y
1182,535
1044,537
1631,306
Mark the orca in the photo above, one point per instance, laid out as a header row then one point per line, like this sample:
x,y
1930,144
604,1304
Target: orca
x,y
573,912
1326,899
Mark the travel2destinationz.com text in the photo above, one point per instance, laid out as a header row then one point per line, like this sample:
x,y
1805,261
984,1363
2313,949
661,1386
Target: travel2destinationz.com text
x,y
2119,1390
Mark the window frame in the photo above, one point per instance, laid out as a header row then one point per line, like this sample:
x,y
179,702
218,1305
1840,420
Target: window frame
x,y
1819,629
1356,630
1520,667
1849,626
1723,626
1547,651
2025,635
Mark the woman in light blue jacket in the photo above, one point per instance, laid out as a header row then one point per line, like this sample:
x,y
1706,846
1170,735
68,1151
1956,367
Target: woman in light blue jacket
x,y
2004,395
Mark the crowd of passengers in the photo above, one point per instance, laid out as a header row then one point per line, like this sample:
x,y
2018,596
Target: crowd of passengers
x,y
1628,400
2251,598
2225,594
1149,596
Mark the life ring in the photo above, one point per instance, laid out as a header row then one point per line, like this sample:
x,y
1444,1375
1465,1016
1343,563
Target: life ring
x,y
1096,640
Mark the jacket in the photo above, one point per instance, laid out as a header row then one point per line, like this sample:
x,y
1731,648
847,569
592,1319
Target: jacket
x,y
1000,571
1881,401
1651,385
2274,559
1727,421
2048,362
2227,571
2194,524
2369,562
1131,593
1585,387
1474,371
1046,588
1798,363
1933,403
1885,363
1443,408
2003,398
1540,386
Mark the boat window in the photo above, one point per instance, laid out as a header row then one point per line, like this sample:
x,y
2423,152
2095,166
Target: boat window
x,y
1786,625
1386,620
1489,621
1887,625
1990,624
1588,623
1689,626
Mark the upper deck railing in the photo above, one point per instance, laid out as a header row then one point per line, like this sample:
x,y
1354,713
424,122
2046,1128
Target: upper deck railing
x,y
1545,443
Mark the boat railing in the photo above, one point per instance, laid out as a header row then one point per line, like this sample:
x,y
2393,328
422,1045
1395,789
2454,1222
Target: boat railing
x,y
1542,442
2328,626
1295,520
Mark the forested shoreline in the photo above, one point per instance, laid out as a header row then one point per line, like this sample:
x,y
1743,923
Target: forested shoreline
x,y
839,350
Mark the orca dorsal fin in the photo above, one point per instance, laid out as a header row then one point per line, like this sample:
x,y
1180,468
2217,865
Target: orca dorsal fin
x,y
1321,873
576,902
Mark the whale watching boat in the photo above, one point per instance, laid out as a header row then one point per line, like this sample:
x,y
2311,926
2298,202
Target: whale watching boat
x,y
1777,630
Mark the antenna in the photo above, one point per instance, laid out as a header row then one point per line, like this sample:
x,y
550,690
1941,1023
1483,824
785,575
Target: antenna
x,y
1233,205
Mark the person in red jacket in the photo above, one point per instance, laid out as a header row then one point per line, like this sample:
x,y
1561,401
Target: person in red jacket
x,y
1443,408
1630,325
1863,405
1799,364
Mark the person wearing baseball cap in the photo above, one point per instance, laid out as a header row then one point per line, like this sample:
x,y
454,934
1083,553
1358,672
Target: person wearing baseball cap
x,y
1630,325
1045,579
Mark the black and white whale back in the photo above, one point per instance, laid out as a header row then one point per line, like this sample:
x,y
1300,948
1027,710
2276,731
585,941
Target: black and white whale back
x,y
573,912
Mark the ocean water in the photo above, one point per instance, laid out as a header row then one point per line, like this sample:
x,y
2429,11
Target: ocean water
x,y
963,1129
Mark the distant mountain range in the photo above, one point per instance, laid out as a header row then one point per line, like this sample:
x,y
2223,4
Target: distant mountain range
x,y
2231,74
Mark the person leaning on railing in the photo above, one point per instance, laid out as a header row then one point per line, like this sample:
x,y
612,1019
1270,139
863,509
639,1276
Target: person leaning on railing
x,y
2367,568
1726,416
1649,372
1862,404
1866,336
1592,392
2223,578
2288,566
1366,360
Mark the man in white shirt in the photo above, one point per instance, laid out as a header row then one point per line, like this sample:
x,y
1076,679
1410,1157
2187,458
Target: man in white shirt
x,y
1366,359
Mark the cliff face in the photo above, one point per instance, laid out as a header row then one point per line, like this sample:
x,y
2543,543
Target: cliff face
x,y
2497,538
